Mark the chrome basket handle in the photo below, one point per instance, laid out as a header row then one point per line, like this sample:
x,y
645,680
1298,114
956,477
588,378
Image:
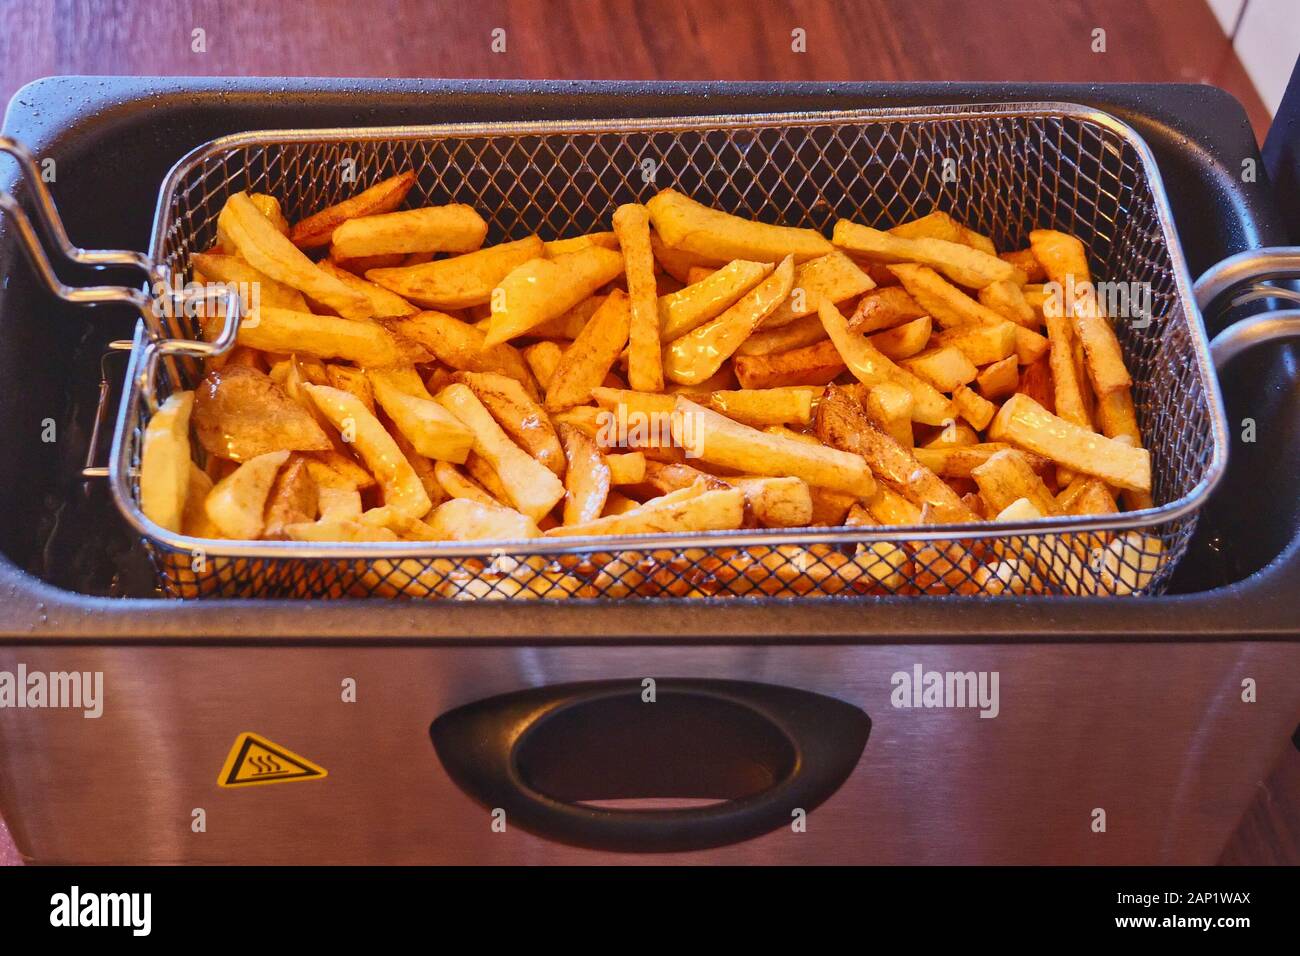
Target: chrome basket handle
x,y
1245,278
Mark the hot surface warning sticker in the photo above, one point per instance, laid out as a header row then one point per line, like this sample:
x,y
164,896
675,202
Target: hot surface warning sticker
x,y
255,760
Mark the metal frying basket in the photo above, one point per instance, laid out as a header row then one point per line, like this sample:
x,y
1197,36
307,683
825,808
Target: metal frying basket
x,y
1003,170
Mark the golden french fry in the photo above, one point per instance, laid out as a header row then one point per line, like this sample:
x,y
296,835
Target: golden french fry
x,y
451,228
1026,424
462,519
973,407
400,485
385,196
533,488
239,413
677,262
543,358
716,439
936,225
691,306
543,289
721,510
697,355
1007,476
237,502
777,502
293,498
326,337
841,423
833,278
463,347
890,407
765,406
626,469
871,367
644,364
460,281
999,379
234,270
586,362
269,206
1026,262
194,517
810,365
382,301
946,368
903,341
458,485
561,247
947,304
960,459
1008,300
982,344
587,479
692,227
432,431
338,529
266,249
794,335
165,462
884,309
962,264
523,419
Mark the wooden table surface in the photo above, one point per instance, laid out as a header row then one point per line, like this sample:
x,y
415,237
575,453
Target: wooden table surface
x,y
1049,40
1145,40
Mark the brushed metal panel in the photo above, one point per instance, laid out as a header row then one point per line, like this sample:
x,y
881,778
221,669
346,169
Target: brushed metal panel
x,y
1155,734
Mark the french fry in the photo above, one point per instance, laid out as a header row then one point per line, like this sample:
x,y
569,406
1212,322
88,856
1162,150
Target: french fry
x,y
400,485
947,304
266,249
561,247
269,206
687,225
458,485
239,413
871,367
481,470
832,278
385,196
463,519
644,363
721,510
326,337
432,431
1007,476
543,358
1065,260
903,341
381,301
716,439
237,502
982,344
811,365
959,460
973,407
586,362
522,419
767,406
351,380
1026,424
1026,262
460,281
945,367
533,488
542,289
452,228
694,304
677,262
884,309
962,264
626,469
587,479
890,507
841,423
194,516
697,355
1008,300
777,502
999,379
890,407
795,335
234,270
293,498
338,529
165,462
462,347
936,225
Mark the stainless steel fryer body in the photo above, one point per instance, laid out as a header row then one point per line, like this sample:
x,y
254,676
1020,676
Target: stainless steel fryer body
x,y
1155,734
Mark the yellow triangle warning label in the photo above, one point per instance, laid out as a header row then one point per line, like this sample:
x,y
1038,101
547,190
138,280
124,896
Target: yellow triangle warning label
x,y
255,760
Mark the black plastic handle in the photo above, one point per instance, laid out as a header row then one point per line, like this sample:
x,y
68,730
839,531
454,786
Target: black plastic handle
x,y
549,755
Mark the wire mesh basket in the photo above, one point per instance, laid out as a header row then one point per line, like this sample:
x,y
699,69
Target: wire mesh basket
x,y
1003,170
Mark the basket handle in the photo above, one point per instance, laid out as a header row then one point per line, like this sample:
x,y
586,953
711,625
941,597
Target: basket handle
x,y
550,755
1245,278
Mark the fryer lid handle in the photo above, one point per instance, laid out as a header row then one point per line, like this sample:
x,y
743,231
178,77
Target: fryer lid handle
x,y
544,755
1245,278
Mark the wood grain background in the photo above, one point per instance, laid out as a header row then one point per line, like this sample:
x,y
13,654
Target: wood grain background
x,y
1146,40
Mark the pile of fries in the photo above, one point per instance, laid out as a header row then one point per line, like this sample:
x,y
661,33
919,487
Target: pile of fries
x,y
688,371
